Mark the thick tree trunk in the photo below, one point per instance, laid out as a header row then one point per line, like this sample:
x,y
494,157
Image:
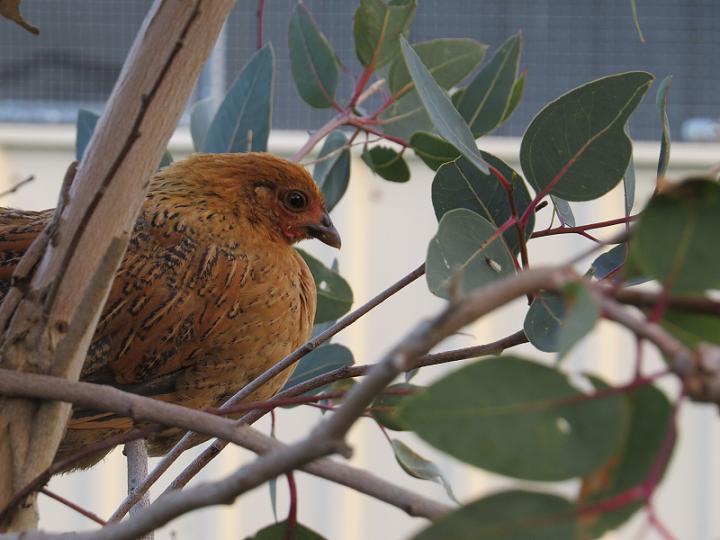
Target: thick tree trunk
x,y
49,321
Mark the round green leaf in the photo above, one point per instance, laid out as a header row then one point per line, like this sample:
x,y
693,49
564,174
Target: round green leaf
x,y
518,418
674,240
459,184
544,320
465,254
313,63
577,146
433,150
387,163
334,295
509,515
582,312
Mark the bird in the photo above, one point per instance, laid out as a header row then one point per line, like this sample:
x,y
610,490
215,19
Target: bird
x,y
210,292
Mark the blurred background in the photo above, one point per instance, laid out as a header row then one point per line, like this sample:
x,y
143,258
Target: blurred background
x,y
385,226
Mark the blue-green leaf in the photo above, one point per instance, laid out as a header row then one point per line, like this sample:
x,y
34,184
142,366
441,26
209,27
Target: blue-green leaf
x,y
242,123
377,26
518,418
576,147
419,467
459,184
448,122
662,104
466,253
386,162
544,320
86,122
320,361
582,312
488,95
201,116
508,515
332,171
334,295
313,63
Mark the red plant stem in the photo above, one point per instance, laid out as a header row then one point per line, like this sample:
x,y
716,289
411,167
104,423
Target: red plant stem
x,y
260,17
292,512
582,228
362,124
507,186
79,509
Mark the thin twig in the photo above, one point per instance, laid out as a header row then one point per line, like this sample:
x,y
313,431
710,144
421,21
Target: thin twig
x,y
77,508
189,439
17,186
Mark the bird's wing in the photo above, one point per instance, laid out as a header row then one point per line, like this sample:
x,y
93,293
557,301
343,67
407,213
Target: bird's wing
x,y
18,229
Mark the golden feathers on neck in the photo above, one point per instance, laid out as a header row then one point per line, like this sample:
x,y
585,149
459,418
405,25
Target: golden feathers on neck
x,y
246,187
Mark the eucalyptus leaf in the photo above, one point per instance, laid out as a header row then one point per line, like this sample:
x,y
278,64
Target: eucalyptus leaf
x,y
279,531
508,515
441,111
692,328
564,211
334,295
419,467
544,320
515,96
629,182
674,240
576,147
433,150
650,412
242,122
662,104
201,116
386,162
581,315
377,26
465,254
86,122
518,418
488,95
320,361
449,61
609,262
313,63
459,184
332,171
384,407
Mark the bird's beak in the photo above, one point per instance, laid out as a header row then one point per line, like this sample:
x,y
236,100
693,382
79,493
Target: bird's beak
x,y
325,231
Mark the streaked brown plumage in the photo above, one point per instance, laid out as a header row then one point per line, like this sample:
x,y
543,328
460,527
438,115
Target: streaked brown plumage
x,y
210,292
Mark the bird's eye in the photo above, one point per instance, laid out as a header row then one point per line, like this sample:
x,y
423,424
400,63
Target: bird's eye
x,y
295,201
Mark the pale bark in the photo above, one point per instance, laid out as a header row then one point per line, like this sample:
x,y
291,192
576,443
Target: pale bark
x,y
48,326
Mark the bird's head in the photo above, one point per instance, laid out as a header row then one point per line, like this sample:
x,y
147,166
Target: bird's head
x,y
273,194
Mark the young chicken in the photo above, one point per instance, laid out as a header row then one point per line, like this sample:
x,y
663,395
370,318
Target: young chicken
x,y
210,293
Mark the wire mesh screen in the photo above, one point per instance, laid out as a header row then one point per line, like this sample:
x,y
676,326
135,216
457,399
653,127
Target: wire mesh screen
x,y
76,58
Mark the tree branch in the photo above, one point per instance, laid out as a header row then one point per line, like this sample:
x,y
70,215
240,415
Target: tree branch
x,y
151,92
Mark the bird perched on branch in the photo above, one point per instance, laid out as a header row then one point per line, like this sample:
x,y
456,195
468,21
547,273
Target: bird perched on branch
x,y
210,293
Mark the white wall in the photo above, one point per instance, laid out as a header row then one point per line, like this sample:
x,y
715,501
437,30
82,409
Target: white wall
x,y
385,229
